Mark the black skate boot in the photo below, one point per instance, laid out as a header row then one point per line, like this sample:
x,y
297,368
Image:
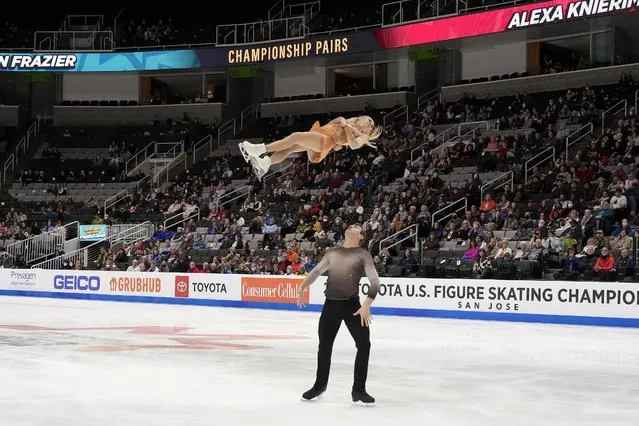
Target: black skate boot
x,y
362,398
313,393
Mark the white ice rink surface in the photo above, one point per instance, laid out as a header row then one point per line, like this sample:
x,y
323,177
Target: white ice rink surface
x,y
87,363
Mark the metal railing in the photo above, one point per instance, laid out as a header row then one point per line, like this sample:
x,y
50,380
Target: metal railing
x,y
73,41
203,145
139,158
180,160
249,114
309,9
499,182
621,106
224,129
164,159
396,114
237,194
410,232
134,232
9,165
114,200
458,206
409,11
284,169
289,28
71,21
41,246
25,142
460,136
463,8
423,100
172,150
277,10
115,24
121,228
21,148
180,218
87,256
582,132
474,126
406,11
437,142
142,183
537,160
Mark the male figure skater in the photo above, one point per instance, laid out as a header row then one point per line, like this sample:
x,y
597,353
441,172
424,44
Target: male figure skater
x,y
346,266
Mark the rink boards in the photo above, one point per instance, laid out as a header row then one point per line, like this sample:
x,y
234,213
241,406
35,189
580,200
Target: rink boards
x,y
583,303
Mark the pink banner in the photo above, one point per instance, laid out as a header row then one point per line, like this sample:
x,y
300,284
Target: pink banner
x,y
499,20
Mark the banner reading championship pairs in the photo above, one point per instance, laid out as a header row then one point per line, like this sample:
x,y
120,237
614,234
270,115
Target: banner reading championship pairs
x,y
217,57
588,303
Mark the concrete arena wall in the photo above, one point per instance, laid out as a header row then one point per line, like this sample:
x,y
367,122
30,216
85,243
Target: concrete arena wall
x,y
554,302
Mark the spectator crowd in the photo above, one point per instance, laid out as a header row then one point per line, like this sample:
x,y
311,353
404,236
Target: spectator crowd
x,y
573,216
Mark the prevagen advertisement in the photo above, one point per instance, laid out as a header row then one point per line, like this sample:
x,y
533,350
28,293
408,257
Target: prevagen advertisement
x,y
93,232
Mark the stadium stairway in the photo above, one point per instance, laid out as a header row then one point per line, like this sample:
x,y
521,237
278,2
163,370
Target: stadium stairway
x,y
38,132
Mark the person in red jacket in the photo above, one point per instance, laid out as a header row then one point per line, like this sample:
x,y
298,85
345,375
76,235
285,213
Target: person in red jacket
x,y
193,269
605,266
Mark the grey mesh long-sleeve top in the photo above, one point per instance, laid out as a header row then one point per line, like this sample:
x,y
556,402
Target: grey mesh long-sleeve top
x,y
346,267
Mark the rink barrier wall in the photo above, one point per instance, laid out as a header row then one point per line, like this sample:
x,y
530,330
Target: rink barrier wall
x,y
551,302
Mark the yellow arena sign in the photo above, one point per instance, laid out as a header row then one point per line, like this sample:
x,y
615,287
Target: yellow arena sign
x,y
298,50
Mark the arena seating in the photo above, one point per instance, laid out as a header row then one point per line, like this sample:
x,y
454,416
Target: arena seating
x,y
449,167
15,36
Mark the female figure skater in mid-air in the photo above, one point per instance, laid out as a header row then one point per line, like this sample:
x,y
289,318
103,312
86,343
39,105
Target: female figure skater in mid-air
x,y
318,142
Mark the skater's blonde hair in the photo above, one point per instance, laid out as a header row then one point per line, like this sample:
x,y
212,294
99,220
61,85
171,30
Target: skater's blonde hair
x,y
369,131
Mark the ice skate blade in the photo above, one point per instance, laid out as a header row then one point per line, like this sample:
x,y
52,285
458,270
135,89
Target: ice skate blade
x,y
245,154
363,404
318,397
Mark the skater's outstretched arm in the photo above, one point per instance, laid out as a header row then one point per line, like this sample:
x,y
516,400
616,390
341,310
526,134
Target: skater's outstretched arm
x,y
373,278
315,273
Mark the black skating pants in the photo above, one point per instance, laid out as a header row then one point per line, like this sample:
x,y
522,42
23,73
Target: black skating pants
x,y
333,313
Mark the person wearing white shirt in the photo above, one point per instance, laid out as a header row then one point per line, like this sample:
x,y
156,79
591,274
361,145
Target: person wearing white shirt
x,y
522,252
503,250
134,266
619,204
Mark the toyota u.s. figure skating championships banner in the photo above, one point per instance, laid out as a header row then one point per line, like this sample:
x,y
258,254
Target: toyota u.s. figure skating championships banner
x,y
586,303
